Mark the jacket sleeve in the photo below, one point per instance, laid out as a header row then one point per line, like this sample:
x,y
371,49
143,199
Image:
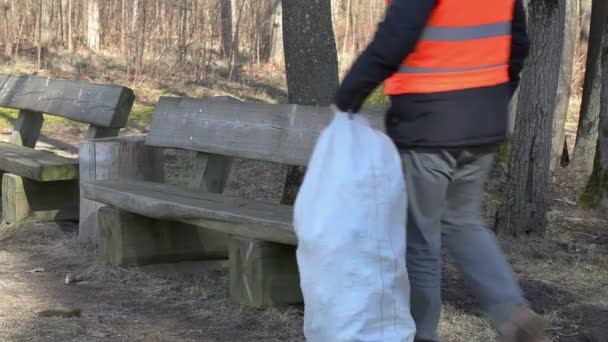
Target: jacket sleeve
x,y
520,44
396,38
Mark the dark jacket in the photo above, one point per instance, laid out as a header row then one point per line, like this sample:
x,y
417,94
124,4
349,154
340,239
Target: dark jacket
x,y
468,117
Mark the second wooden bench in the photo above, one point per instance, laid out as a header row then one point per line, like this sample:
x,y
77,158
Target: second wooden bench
x,y
41,185
150,222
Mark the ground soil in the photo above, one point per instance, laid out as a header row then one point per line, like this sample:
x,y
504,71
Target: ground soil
x,y
564,274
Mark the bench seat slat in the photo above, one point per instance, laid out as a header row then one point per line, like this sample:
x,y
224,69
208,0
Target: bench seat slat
x,y
38,165
232,215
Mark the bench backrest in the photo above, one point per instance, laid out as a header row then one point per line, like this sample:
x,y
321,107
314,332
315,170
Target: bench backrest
x,y
278,133
102,105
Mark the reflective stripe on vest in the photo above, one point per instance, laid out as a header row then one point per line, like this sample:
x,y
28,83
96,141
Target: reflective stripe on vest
x,y
451,34
466,44
406,69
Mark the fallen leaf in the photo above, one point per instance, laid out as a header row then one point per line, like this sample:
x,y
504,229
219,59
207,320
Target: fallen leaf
x,y
96,333
36,270
72,278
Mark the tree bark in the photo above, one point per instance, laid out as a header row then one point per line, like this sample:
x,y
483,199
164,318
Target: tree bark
x,y
47,35
586,136
310,52
70,39
8,39
311,63
596,191
267,30
525,207
226,27
564,89
93,25
39,47
277,54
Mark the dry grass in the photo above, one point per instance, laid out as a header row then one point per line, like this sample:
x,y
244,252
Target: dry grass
x,y
564,275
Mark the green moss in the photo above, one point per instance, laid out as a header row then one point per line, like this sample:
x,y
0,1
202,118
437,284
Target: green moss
x,y
378,97
602,262
74,313
7,118
141,115
597,184
504,153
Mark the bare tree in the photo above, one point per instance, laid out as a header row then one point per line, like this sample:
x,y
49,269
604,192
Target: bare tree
x,y
596,191
311,62
70,33
93,25
564,89
310,52
586,138
5,7
525,206
277,53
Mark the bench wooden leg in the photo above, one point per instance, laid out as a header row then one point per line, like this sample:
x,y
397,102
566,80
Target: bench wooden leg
x,y
129,239
263,273
27,200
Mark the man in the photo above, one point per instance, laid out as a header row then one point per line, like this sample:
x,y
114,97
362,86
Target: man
x,y
450,67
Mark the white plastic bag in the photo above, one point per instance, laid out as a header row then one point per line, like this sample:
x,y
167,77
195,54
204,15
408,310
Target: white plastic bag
x,y
350,218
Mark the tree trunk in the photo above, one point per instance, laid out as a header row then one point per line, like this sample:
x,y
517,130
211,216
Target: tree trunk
x,y
310,52
47,35
8,39
70,40
267,30
39,24
346,27
596,192
134,41
226,27
277,54
235,58
61,34
564,89
93,25
525,207
123,26
311,63
586,138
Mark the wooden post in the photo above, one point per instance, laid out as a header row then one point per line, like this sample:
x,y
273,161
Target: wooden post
x,y
24,199
263,273
27,129
122,158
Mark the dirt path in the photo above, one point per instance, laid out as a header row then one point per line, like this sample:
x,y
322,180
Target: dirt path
x,y
565,276
118,304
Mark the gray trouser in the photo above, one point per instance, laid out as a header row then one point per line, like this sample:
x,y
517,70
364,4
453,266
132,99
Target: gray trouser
x,y
444,199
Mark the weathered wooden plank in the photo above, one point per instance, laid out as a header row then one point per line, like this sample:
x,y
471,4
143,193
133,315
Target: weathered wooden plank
x,y
105,105
27,129
26,200
270,132
124,158
37,165
231,215
209,172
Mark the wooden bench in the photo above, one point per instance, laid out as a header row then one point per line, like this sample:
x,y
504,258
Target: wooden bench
x,y
151,222
41,185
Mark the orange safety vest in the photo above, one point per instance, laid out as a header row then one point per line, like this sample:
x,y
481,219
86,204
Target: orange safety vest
x,y
466,44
